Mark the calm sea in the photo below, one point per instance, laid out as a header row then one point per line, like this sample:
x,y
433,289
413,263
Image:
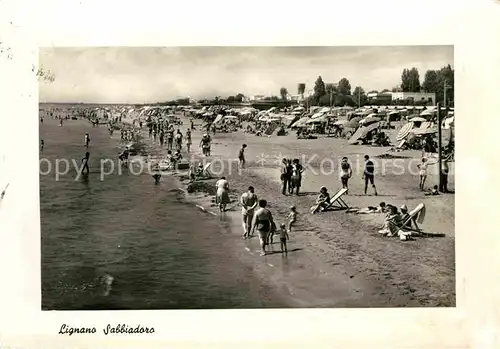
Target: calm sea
x,y
124,243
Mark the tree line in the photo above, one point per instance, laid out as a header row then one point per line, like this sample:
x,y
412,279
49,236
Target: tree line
x,y
340,94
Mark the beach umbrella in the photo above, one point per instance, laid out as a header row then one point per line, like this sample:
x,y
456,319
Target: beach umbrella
x,y
394,112
351,124
321,119
370,119
417,119
340,122
300,123
367,129
421,131
404,131
301,108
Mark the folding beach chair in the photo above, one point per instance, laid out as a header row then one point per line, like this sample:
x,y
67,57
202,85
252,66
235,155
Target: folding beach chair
x,y
206,172
411,219
336,202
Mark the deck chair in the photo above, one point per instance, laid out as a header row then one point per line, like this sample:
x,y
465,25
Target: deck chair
x,y
336,202
411,219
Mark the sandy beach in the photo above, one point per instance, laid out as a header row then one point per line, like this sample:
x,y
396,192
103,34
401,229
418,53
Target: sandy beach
x,y
338,259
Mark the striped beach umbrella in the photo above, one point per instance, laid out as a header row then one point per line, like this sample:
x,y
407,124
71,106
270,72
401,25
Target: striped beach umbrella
x,y
405,131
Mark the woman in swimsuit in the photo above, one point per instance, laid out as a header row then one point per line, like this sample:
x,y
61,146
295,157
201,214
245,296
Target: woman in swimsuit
x,y
423,172
263,223
345,173
222,196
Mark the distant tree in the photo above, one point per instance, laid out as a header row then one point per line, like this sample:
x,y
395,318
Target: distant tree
x,y
359,96
385,90
231,99
410,80
283,93
344,86
431,81
301,88
319,89
396,89
446,75
373,91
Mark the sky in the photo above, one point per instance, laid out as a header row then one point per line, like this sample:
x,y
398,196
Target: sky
x,y
148,74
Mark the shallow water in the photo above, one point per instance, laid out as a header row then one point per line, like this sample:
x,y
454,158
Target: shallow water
x,y
124,243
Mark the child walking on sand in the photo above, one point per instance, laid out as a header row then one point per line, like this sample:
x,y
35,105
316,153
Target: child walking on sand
x,y
283,237
292,218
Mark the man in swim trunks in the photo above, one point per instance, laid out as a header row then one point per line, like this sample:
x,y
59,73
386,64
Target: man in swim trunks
x,y
87,140
248,203
369,174
262,222
85,162
241,156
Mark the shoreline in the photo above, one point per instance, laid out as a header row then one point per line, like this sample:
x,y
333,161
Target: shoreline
x,y
325,267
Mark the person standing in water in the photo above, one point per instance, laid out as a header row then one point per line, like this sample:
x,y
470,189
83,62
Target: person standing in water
x,y
241,156
369,174
85,162
42,144
262,222
248,203
345,173
283,238
178,140
87,140
222,196
188,140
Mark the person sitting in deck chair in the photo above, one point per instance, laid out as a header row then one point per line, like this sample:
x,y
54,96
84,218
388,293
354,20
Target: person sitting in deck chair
x,y
322,202
392,221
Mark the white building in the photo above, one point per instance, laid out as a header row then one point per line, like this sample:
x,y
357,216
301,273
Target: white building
x,y
257,97
415,97
296,97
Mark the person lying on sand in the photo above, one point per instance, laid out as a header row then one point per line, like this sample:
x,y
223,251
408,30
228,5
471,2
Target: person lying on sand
x,y
381,208
433,191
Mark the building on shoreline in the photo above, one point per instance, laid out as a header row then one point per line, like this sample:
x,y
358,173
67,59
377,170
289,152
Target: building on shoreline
x,y
429,98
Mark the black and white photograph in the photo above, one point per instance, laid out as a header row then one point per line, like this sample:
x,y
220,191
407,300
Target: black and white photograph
x,y
232,177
